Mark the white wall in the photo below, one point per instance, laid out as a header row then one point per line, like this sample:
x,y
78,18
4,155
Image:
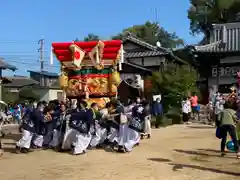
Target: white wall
x,y
43,94
232,59
47,94
153,61
53,93
131,46
137,61
148,61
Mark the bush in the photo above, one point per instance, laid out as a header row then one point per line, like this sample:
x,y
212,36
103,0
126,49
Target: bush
x,y
161,121
175,115
174,83
27,93
8,96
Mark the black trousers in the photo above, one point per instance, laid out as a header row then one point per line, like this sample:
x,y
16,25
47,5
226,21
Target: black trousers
x,y
185,117
232,132
217,118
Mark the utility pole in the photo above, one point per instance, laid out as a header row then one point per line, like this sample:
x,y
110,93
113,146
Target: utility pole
x,y
41,50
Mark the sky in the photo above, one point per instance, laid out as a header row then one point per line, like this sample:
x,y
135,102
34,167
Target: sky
x,y
24,22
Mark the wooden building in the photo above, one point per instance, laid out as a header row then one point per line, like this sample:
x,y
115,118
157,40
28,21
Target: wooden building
x,y
141,58
219,59
48,87
4,66
146,55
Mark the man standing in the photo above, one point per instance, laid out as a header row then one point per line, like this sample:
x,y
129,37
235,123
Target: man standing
x,y
157,111
195,106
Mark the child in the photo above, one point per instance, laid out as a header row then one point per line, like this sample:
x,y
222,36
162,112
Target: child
x,y
186,110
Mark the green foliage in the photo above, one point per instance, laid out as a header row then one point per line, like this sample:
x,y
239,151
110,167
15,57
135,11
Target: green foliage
x,y
151,33
8,96
160,121
203,13
91,37
174,83
27,93
174,114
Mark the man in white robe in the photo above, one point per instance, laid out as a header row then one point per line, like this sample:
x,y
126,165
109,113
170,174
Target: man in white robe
x,y
100,130
78,136
61,125
135,127
28,129
113,131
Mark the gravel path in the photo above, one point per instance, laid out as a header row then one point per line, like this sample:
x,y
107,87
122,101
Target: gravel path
x,y
177,152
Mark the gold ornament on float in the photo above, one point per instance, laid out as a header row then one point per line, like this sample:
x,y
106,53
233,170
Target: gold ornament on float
x,y
114,81
115,78
96,55
101,102
63,80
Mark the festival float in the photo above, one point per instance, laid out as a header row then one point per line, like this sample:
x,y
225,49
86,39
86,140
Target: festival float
x,y
90,70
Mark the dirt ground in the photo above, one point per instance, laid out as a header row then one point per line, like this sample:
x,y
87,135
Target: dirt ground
x,y
177,152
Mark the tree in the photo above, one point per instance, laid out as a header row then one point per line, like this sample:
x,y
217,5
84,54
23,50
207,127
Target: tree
x,y
9,96
151,33
203,13
91,37
174,83
26,93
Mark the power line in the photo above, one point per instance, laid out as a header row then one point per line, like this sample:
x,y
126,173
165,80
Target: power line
x,y
31,63
17,42
21,52
12,42
20,55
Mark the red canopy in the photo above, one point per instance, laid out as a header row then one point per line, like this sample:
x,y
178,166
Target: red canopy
x,y
64,53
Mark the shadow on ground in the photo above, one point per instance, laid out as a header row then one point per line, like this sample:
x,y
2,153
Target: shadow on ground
x,y
201,127
178,166
159,160
210,150
200,153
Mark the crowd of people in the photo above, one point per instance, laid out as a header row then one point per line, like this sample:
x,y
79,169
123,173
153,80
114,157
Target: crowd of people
x,y
223,112
226,117
76,127
190,108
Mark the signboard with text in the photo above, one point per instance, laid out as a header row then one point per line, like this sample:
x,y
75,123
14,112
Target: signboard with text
x,y
225,71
